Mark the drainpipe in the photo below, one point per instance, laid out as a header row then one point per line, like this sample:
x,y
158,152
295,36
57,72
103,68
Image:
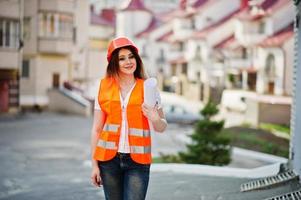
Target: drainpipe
x,y
295,144
20,54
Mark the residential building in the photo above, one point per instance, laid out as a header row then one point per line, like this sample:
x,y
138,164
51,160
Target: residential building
x,y
157,6
10,55
101,31
55,38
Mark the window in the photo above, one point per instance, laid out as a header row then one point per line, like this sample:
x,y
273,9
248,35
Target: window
x,y
198,54
181,46
193,24
173,70
244,53
262,27
74,35
9,33
26,28
65,26
143,52
184,68
161,58
56,25
25,69
270,69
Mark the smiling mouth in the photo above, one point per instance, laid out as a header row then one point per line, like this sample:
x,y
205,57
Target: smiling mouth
x,y
129,67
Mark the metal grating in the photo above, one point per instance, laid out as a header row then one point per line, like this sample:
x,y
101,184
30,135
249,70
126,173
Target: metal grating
x,y
296,195
268,181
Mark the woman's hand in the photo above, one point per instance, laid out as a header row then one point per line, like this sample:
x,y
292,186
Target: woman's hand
x,y
95,176
151,112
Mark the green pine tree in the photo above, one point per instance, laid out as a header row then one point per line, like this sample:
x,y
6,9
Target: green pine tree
x,y
209,146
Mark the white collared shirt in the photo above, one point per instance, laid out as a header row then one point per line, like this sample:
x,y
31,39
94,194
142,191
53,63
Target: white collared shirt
x,y
124,146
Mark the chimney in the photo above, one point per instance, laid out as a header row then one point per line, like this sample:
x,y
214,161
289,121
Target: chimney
x,y
244,4
92,9
183,4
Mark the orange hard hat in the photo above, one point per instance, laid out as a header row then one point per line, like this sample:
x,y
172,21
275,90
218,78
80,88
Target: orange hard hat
x,y
118,43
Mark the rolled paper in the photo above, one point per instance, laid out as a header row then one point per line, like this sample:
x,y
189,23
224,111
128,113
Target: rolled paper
x,y
150,90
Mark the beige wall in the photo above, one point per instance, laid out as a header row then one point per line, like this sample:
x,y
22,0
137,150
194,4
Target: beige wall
x,y
48,56
97,64
27,85
80,50
30,41
61,102
9,59
274,113
42,67
55,46
9,8
47,66
260,112
288,48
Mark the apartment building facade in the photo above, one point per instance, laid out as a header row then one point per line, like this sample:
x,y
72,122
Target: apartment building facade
x,y
42,45
54,34
10,55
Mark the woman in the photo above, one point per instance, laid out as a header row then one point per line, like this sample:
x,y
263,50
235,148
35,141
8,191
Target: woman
x,y
121,139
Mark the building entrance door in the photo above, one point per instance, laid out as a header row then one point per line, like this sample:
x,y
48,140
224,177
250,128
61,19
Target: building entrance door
x,y
4,96
55,80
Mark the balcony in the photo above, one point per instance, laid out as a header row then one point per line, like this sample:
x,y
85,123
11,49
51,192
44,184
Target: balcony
x,y
55,45
238,63
66,6
9,59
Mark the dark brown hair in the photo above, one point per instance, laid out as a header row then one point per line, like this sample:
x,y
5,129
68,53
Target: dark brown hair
x,y
113,66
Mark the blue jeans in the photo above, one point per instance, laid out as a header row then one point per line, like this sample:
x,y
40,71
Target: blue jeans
x,y
124,179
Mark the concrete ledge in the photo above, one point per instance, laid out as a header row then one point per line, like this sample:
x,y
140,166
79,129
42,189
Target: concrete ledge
x,y
207,170
258,155
62,100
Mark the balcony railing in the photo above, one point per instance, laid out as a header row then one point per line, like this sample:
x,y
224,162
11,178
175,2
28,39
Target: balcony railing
x,y
55,45
9,59
238,63
66,6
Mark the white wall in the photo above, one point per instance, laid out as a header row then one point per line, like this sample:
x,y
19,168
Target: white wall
x,y
215,12
283,17
100,32
129,23
262,82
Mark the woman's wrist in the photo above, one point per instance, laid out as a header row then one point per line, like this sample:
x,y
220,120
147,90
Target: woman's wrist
x,y
94,163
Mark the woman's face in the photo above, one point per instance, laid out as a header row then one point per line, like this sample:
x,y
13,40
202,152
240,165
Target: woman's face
x,y
127,62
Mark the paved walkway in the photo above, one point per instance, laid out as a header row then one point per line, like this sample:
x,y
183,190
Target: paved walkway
x,y
45,156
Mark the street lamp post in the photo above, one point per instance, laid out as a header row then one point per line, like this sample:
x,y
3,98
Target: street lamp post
x,y
295,144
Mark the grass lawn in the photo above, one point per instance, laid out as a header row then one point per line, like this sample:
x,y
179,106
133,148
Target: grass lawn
x,y
258,140
250,138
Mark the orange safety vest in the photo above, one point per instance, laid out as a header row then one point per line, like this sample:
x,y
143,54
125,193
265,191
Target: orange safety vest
x,y
139,132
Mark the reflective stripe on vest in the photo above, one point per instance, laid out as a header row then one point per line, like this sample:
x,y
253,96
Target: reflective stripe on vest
x,y
139,132
111,127
107,145
140,149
